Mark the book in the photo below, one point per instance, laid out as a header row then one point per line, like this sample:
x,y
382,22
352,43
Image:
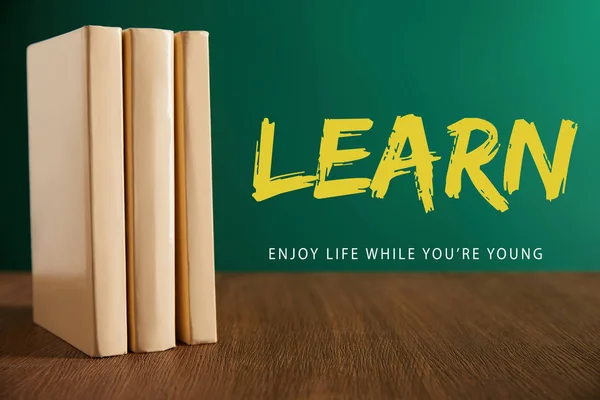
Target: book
x,y
148,65
195,269
75,128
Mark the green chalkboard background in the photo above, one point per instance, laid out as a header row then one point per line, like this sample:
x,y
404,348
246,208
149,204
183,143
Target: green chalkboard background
x,y
298,63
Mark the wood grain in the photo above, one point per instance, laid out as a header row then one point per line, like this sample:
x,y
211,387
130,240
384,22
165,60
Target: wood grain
x,y
339,336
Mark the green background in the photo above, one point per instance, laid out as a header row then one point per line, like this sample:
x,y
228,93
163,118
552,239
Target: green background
x,y
298,63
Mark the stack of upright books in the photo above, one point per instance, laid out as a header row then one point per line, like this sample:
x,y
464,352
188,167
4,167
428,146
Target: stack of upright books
x,y
121,189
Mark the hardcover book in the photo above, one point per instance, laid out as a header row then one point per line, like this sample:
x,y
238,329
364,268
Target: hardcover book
x,y
150,197
75,116
195,268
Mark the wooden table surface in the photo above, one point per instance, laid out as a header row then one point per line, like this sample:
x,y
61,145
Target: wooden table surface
x,y
330,336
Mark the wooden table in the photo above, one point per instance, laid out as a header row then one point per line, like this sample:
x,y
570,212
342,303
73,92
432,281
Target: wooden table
x,y
329,336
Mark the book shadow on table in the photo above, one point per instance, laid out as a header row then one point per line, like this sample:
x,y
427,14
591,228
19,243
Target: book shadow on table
x,y
21,337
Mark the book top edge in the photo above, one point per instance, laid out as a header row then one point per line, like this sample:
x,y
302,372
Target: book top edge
x,y
134,30
192,33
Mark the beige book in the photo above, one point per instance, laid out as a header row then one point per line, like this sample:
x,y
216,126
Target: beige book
x,y
150,188
75,116
195,268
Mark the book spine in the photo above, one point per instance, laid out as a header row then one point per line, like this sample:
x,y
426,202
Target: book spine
x,y
182,292
150,209
105,129
197,318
